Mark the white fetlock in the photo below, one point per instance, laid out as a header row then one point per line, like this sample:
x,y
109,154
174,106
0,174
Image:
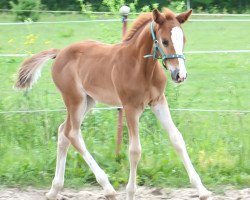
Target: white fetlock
x,y
130,189
204,194
51,195
130,197
54,190
110,193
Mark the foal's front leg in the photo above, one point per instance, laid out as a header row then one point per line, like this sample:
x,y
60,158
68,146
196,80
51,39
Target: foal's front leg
x,y
161,110
132,116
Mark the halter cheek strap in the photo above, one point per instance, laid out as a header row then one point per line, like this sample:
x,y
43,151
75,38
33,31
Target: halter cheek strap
x,y
157,48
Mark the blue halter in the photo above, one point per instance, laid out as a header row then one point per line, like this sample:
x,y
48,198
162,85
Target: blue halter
x,y
157,48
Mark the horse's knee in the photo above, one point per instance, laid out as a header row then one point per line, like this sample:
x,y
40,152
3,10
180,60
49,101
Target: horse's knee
x,y
135,153
72,135
75,138
63,141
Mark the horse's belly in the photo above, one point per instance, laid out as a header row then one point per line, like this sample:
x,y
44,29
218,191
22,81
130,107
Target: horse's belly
x,y
105,96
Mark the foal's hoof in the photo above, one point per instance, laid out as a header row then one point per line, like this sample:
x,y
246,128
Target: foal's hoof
x,y
50,196
206,195
111,197
110,194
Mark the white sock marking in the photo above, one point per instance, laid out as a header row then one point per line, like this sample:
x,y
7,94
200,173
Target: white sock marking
x,y
161,110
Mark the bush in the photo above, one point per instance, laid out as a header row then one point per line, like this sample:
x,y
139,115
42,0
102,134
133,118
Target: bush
x,y
113,5
177,6
22,9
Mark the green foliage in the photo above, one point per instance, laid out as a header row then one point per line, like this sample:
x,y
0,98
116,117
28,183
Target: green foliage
x,y
21,8
149,8
62,5
213,6
133,6
177,6
85,7
155,5
146,8
5,4
113,5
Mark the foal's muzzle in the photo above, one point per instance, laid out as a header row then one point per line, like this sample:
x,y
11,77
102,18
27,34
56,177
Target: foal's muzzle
x,y
175,74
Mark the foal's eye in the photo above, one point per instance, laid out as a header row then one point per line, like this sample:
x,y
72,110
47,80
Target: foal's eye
x,y
165,42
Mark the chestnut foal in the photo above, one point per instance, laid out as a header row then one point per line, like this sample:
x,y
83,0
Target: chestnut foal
x,y
125,74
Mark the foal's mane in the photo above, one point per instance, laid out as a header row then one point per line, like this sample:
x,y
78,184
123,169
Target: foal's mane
x,y
138,23
142,20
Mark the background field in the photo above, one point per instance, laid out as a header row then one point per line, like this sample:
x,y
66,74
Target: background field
x,y
218,143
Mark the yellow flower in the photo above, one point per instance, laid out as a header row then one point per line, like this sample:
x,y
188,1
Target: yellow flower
x,y
11,40
47,42
30,39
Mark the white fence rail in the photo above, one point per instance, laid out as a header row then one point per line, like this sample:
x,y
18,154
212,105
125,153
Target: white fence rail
x,y
113,20
115,108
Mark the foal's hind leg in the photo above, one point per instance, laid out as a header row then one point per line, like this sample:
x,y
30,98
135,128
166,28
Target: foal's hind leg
x,y
161,111
62,148
77,109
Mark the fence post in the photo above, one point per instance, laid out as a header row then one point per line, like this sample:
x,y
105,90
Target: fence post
x,y
124,11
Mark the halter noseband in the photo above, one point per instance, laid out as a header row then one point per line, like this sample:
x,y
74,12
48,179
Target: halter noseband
x,y
157,47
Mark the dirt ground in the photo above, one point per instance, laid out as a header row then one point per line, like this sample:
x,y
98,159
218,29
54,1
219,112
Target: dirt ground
x,y
143,193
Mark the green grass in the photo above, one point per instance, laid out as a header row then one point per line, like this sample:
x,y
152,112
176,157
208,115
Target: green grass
x,y
218,143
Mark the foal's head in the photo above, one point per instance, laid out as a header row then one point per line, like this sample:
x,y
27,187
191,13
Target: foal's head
x,y
171,39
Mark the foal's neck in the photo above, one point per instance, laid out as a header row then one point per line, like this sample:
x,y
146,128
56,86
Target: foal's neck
x,y
142,44
142,40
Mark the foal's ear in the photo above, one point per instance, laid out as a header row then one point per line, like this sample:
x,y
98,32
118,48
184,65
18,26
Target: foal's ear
x,y
158,17
184,16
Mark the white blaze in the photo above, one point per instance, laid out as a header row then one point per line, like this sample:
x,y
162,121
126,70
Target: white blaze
x,y
178,40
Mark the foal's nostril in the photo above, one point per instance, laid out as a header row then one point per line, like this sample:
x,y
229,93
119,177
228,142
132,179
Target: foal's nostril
x,y
177,76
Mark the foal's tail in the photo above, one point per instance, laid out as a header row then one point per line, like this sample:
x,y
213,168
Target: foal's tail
x,y
30,70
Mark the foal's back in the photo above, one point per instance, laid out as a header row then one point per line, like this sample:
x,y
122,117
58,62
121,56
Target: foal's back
x,y
87,67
